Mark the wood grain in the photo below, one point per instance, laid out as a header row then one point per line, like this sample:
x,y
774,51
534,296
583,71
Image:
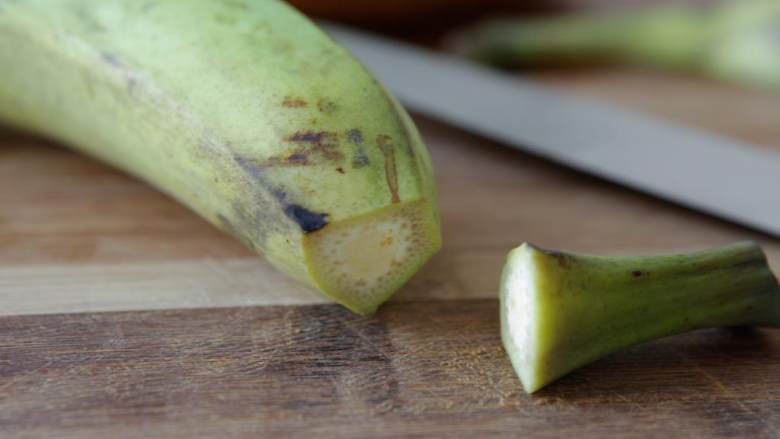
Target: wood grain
x,y
77,237
415,369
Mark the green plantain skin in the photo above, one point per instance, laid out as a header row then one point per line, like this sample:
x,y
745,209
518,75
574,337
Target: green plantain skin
x,y
560,311
244,111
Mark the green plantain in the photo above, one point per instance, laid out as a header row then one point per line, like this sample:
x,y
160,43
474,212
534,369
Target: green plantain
x,y
244,111
560,311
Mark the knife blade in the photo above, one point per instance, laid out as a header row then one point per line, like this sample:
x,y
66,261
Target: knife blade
x,y
731,179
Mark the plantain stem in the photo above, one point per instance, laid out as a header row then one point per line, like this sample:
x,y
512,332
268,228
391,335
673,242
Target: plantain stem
x,y
561,310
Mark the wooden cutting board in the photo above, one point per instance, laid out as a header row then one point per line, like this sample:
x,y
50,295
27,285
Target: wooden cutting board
x,y
124,315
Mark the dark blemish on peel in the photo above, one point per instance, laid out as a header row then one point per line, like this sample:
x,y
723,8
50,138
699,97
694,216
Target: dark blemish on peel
x,y
360,158
298,158
384,143
355,136
636,273
308,221
307,136
340,170
291,102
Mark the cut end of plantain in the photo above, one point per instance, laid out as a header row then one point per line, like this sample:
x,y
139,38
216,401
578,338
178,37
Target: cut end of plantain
x,y
360,262
519,314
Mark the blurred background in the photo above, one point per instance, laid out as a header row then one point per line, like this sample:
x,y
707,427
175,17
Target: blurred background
x,y
732,41
707,64
429,17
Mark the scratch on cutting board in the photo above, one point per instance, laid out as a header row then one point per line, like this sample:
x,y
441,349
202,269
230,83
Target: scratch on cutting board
x,y
349,325
731,395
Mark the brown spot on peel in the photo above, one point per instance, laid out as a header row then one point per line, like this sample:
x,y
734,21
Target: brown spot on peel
x,y
385,144
322,142
297,158
312,145
291,102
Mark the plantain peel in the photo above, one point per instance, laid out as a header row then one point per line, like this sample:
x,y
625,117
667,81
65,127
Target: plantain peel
x,y
244,111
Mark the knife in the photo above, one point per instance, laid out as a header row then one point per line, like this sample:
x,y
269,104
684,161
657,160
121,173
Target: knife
x,y
714,174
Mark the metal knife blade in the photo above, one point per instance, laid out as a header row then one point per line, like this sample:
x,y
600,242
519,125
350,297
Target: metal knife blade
x,y
721,176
